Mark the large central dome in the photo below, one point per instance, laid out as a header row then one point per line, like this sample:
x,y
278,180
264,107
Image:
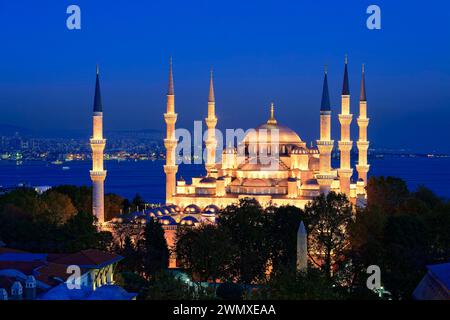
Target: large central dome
x,y
264,132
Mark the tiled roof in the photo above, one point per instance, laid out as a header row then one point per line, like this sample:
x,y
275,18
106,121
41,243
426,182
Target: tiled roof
x,y
89,258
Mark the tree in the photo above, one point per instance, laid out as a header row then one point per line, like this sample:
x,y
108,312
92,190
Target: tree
x,y
284,224
58,207
247,225
154,250
327,221
295,285
113,206
132,261
80,233
402,235
81,196
386,193
164,285
205,251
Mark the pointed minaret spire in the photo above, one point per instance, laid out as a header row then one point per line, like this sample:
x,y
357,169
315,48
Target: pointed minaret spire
x,y
97,96
211,88
362,96
170,91
345,86
325,104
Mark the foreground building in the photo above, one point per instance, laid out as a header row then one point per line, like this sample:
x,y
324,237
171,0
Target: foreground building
x,y
435,285
293,173
32,276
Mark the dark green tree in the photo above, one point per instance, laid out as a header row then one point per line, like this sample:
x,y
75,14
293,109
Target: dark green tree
x,y
206,252
284,224
386,193
293,285
248,227
153,249
328,219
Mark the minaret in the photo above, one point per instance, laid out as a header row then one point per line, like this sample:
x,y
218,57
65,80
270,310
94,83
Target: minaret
x,y
345,144
362,142
98,175
325,144
170,142
211,121
302,248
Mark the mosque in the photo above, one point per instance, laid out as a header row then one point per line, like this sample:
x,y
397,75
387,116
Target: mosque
x,y
294,174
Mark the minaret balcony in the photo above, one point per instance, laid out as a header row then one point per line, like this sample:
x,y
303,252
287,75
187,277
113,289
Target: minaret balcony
x,y
97,141
363,122
211,122
362,145
345,172
170,168
170,144
170,118
325,142
362,167
345,119
345,145
97,174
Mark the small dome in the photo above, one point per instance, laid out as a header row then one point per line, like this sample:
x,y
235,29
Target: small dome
x,y
208,180
291,179
188,221
167,220
192,209
211,209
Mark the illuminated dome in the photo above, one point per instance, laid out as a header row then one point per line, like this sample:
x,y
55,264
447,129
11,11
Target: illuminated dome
x,y
262,134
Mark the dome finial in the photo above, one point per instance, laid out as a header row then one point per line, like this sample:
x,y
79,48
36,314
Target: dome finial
x,y
272,115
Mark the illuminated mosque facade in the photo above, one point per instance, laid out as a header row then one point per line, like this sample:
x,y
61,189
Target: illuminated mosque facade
x,y
295,174
299,173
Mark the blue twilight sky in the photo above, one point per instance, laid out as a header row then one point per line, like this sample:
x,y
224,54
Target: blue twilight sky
x,y
261,50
